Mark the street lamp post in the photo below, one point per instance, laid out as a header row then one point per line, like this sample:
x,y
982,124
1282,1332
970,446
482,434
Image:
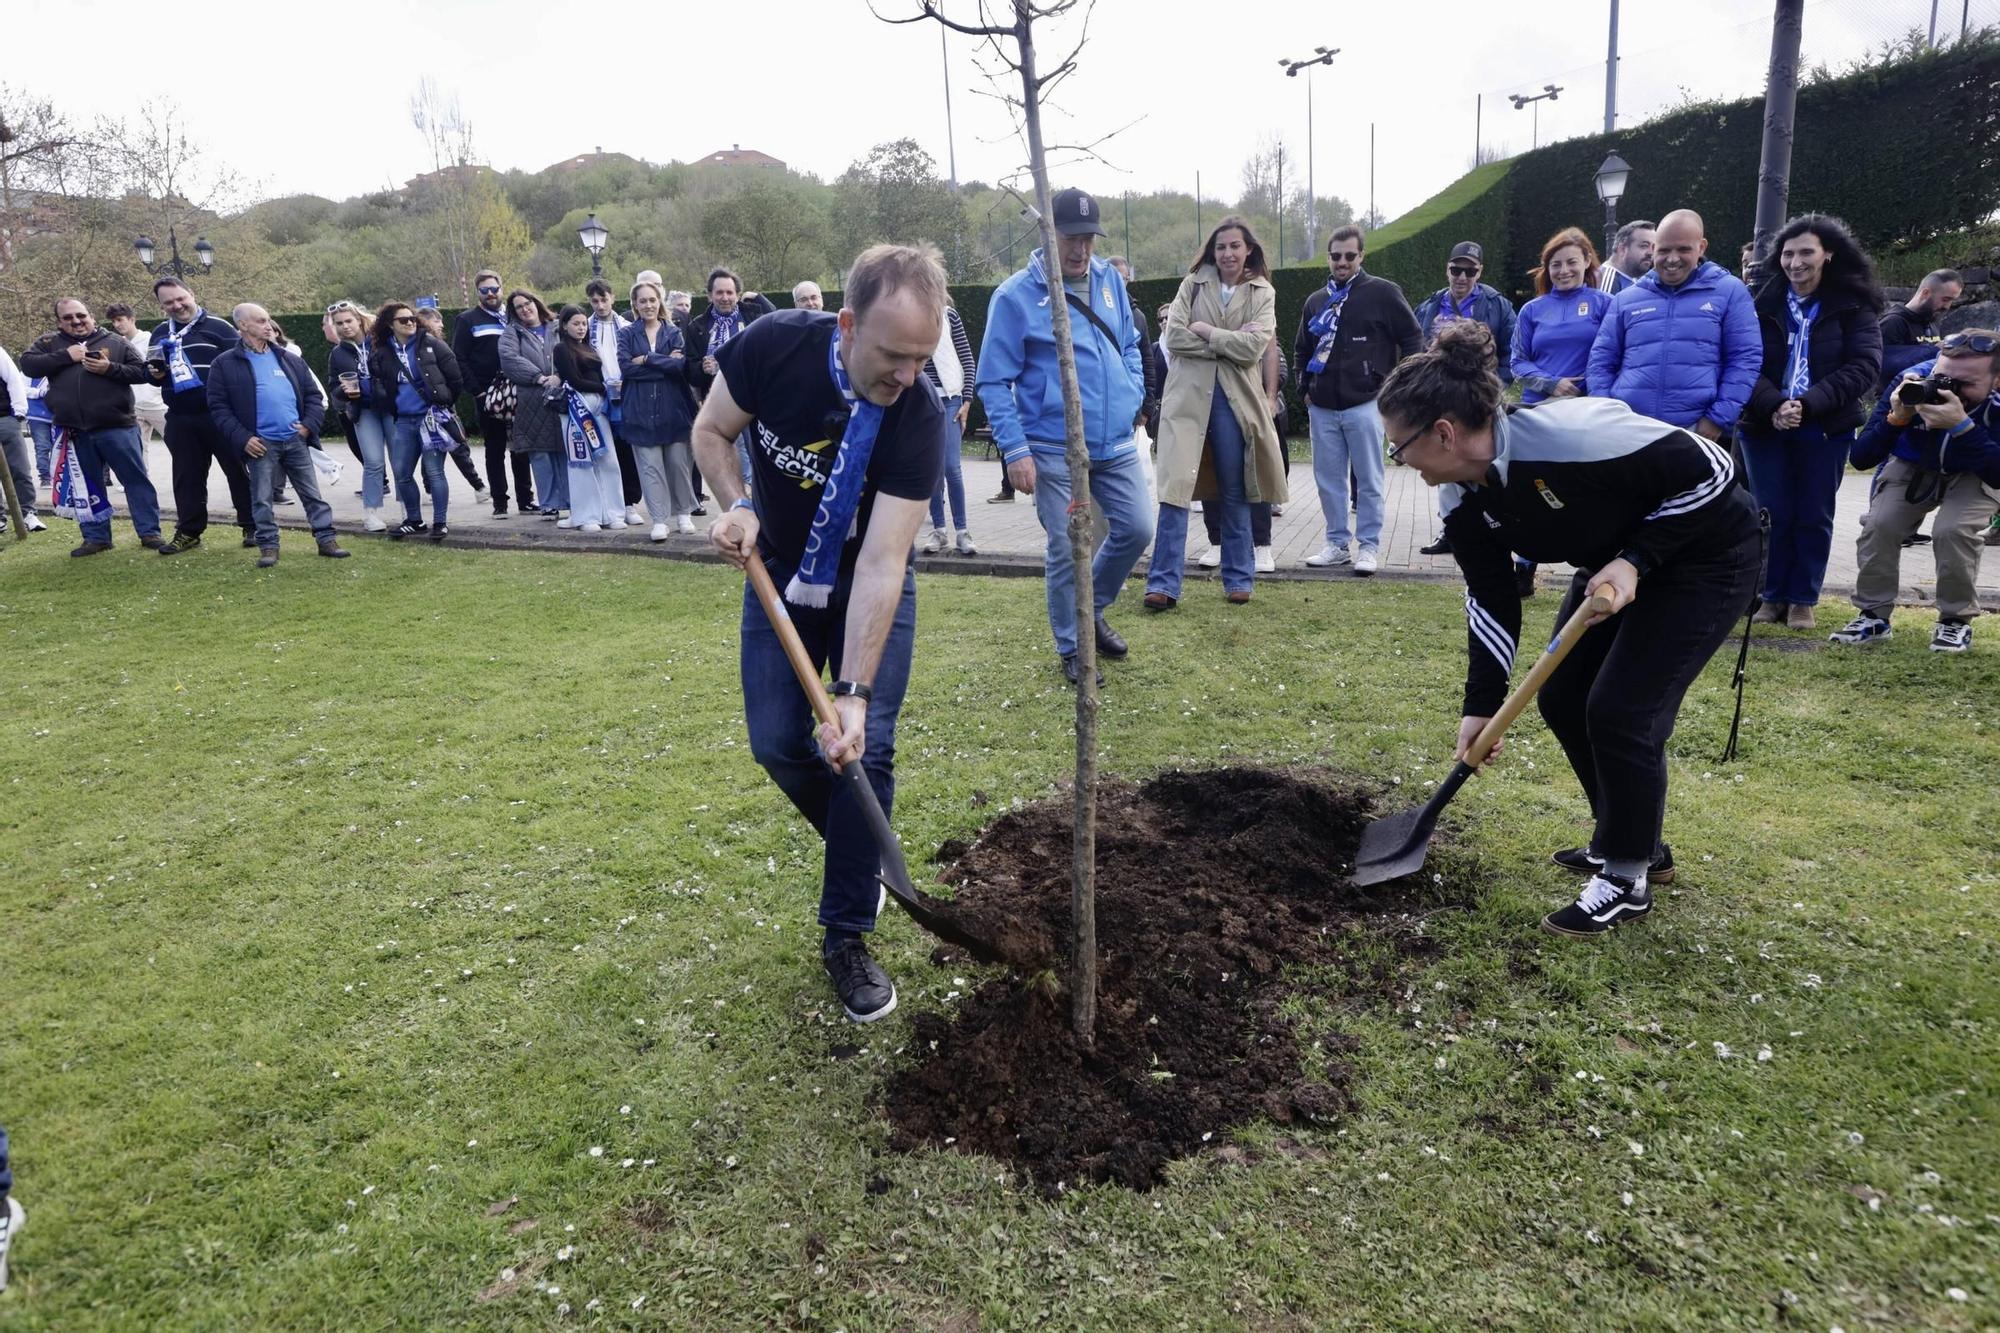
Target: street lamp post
x,y
1611,181
594,235
1547,94
1321,56
174,266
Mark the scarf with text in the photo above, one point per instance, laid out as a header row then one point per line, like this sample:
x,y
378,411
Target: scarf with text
x,y
1326,324
586,442
74,494
1803,313
833,524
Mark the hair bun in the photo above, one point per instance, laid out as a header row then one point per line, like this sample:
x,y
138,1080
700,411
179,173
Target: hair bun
x,y
1466,346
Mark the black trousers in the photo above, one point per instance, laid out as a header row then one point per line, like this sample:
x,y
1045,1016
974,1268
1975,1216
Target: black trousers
x,y
628,469
499,461
194,442
1613,701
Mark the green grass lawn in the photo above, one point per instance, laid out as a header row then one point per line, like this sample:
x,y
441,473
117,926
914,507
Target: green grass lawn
x,y
377,930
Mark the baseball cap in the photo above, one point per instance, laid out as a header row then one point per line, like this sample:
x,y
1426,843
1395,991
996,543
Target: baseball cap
x,y
1076,214
1469,250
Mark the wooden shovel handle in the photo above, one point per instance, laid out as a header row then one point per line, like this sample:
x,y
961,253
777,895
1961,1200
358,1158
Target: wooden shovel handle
x,y
795,649
1565,639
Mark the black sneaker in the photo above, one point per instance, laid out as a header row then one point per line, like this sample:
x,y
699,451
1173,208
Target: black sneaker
x,y
530,507
499,511
181,542
1607,902
1582,862
440,532
699,511
249,542
1442,546
866,992
409,527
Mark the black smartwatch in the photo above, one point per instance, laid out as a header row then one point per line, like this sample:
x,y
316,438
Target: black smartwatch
x,y
862,692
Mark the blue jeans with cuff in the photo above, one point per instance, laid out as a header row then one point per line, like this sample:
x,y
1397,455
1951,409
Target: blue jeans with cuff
x,y
1118,488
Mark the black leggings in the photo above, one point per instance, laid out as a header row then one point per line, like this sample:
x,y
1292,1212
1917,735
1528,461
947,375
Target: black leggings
x,y
1613,701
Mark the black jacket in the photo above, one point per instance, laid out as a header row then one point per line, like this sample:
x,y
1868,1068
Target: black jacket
x,y
206,338
232,394
696,333
475,341
1377,329
81,399
1843,358
346,359
442,383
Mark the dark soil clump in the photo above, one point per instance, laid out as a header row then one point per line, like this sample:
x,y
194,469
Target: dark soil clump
x,y
1219,894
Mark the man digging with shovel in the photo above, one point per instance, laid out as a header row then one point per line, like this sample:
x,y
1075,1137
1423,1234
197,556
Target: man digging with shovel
x,y
1658,526
848,446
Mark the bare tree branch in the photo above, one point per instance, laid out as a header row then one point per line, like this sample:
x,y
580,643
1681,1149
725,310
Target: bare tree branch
x,y
931,11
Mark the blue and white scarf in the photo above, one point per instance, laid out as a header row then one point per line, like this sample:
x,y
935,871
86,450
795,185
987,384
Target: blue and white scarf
x,y
1798,345
834,523
438,431
586,442
1448,309
74,494
724,327
1326,324
182,377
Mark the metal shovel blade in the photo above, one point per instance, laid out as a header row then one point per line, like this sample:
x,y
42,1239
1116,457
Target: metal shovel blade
x,y
1395,845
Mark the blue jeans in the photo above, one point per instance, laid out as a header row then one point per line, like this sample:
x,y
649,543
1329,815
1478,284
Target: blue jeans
x,y
406,448
782,736
45,447
1796,477
1118,488
118,448
1341,439
370,431
289,458
551,480
1239,556
743,456
952,481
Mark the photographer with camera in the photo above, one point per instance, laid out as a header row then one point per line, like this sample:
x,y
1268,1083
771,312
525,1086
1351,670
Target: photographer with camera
x,y
1935,431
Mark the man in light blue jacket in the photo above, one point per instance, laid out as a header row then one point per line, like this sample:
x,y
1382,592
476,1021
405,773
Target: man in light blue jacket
x,y
1020,385
1680,345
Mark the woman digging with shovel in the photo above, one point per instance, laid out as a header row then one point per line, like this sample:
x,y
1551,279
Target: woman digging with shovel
x,y
1656,523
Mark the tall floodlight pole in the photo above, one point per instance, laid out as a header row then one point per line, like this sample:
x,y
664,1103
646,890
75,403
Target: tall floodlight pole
x,y
1781,96
1548,94
950,144
1611,72
1322,55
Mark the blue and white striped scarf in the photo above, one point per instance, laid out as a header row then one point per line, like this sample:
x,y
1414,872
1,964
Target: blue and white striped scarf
x,y
724,327
1803,313
1326,324
833,524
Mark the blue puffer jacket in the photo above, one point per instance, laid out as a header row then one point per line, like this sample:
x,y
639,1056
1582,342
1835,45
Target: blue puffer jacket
x,y
1020,386
1678,354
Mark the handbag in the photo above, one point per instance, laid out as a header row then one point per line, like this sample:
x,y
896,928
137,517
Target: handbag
x,y
499,398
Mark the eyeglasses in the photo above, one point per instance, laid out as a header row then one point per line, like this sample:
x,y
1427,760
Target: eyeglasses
x,y
72,319
1983,343
1461,271
339,306
489,291
1396,450
1343,254
404,319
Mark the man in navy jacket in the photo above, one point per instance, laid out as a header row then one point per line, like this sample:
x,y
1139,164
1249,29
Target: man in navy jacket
x,y
181,350
267,405
1943,456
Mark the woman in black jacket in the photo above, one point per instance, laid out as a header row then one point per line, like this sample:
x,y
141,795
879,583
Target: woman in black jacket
x,y
413,380
1819,314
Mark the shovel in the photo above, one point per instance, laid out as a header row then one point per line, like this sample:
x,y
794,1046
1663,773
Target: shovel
x,y
895,874
1394,845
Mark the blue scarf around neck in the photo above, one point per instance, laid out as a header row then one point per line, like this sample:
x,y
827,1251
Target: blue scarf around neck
x,y
1326,324
724,327
1803,313
841,498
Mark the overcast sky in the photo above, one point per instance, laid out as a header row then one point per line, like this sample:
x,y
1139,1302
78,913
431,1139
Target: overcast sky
x,y
817,82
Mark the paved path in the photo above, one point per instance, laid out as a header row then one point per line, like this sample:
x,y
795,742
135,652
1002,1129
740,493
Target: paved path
x,y
1010,538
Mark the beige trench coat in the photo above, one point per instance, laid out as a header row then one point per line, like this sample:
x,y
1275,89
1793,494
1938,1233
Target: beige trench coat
x,y
1235,353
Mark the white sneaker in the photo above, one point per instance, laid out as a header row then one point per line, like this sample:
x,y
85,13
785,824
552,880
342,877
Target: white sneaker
x,y
1366,562
684,523
659,533
617,525
589,527
1328,555
12,1219
479,492
564,523
371,520
1211,558
634,516
34,523
1266,562
1951,636
935,543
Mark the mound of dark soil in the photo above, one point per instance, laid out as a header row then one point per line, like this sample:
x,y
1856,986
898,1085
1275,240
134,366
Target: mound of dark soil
x,y
1219,893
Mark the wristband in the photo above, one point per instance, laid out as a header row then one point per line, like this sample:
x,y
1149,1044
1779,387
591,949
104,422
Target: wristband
x,y
742,502
841,688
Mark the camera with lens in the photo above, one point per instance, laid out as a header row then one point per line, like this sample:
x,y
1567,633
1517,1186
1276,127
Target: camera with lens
x,y
1932,388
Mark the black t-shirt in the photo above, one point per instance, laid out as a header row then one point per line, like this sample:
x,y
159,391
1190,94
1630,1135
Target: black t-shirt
x,y
1902,328
777,372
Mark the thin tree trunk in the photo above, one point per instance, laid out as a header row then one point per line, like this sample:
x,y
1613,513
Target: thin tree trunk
x,y
1083,857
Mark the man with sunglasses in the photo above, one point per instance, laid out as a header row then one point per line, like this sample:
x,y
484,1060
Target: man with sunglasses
x,y
183,347
91,372
475,341
1941,455
1351,335
1464,296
